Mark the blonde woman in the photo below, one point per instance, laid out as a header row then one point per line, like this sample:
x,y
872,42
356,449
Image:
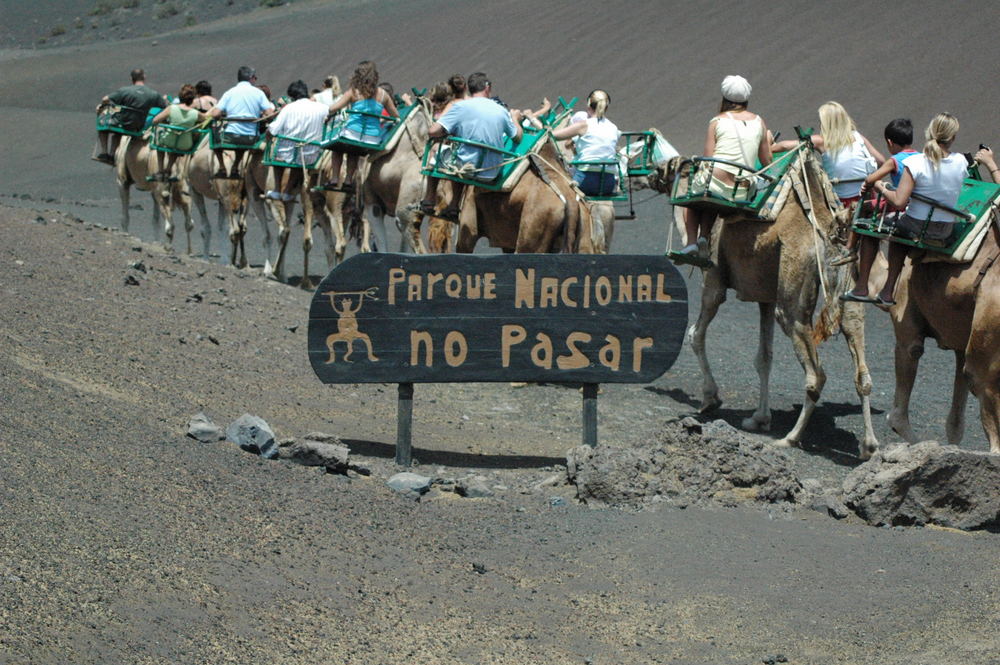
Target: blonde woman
x,y
596,140
937,174
735,135
848,158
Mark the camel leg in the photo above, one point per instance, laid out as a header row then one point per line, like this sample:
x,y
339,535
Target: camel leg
x,y
954,426
982,371
331,205
237,232
989,413
909,349
125,196
206,226
713,295
377,225
801,334
162,200
323,221
852,323
278,270
307,238
156,223
411,240
366,235
180,199
761,418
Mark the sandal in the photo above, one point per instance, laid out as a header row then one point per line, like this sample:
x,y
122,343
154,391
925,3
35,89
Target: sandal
x,y
690,258
105,158
849,296
884,302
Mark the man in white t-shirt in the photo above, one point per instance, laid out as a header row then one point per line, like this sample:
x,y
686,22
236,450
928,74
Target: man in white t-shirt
x,y
301,119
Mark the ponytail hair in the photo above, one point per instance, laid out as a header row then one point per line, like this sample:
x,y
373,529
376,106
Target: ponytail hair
x,y
598,102
939,135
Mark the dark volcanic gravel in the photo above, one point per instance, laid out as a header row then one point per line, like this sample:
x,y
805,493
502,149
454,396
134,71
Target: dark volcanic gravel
x,y
124,541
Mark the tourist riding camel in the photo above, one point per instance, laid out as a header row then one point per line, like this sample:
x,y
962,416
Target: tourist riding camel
x,y
985,157
596,140
478,119
301,119
244,100
185,117
848,159
135,101
204,101
936,174
330,92
366,99
735,135
899,140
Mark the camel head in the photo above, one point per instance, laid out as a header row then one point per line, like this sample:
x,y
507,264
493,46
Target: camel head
x,y
662,178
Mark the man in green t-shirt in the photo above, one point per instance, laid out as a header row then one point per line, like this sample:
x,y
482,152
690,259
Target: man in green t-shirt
x,y
134,102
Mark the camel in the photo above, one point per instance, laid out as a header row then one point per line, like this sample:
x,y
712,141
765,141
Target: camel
x,y
778,265
958,304
393,185
230,195
543,213
134,161
259,179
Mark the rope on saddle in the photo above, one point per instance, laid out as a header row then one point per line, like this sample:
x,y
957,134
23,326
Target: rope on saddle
x,y
535,161
807,203
989,264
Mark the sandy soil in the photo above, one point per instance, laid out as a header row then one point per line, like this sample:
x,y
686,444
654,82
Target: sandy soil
x,y
123,541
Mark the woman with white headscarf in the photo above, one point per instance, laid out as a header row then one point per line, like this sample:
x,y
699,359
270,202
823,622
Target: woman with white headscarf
x,y
735,135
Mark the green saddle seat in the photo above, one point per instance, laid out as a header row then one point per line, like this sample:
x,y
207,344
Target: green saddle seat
x,y
292,152
696,187
445,164
217,135
385,131
972,212
177,140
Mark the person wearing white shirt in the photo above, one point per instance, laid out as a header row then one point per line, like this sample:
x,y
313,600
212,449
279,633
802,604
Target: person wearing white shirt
x,y
936,174
301,119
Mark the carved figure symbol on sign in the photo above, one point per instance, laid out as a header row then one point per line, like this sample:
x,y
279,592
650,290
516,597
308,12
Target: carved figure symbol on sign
x,y
347,323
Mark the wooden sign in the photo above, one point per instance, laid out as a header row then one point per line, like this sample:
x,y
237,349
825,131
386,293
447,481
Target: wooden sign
x,y
401,318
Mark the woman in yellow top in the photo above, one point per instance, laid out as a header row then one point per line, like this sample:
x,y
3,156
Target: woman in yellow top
x,y
735,135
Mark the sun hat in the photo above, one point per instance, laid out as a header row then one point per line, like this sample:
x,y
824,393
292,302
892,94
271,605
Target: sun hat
x,y
736,89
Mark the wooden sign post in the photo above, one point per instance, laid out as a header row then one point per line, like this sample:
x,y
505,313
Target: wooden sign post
x,y
559,318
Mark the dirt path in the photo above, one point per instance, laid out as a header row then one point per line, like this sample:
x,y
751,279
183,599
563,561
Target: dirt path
x,y
124,541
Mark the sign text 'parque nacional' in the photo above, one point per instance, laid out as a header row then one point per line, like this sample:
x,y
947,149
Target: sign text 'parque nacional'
x,y
400,318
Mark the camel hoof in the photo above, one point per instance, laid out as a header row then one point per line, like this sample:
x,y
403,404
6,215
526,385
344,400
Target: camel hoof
x,y
786,443
752,424
866,450
710,405
307,285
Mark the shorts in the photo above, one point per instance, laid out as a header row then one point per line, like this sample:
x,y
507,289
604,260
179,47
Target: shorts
x,y
248,140
914,228
291,153
596,183
354,135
